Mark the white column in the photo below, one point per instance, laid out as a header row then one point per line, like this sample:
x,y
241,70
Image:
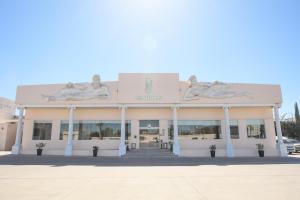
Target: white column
x,y
16,149
122,146
229,147
69,147
281,147
176,146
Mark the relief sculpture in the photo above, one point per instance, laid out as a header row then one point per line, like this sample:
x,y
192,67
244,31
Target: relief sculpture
x,y
215,90
81,91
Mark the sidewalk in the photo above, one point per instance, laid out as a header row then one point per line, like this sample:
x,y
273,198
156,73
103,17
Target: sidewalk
x,y
9,159
72,178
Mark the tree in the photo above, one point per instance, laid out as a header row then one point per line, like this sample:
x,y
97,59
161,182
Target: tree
x,y
297,115
297,120
288,129
291,128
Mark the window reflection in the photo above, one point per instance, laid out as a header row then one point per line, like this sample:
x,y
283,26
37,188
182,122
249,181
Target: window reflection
x,y
197,130
42,131
256,129
234,129
94,130
149,123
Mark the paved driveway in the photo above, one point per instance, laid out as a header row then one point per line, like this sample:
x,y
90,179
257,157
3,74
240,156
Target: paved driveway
x,y
51,177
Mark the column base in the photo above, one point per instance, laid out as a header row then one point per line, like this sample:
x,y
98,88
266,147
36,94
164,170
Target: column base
x,y
229,151
122,149
176,149
69,150
282,150
16,149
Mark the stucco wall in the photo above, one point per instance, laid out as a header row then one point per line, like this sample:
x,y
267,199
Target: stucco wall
x,y
11,136
150,96
34,95
56,146
255,94
243,146
164,88
3,134
7,135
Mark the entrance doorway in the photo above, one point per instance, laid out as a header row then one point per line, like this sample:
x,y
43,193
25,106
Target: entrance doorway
x,y
149,134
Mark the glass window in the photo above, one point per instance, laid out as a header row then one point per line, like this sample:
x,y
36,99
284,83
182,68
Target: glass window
x,y
127,130
42,131
234,129
205,129
64,127
149,123
87,130
256,129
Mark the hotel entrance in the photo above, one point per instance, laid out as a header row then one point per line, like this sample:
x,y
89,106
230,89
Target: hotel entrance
x,y
149,134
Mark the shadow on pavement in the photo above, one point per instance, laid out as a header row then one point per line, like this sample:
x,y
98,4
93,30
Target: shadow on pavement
x,y
59,161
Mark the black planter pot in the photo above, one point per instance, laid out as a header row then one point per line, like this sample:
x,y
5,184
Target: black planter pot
x,y
261,153
95,152
212,154
39,152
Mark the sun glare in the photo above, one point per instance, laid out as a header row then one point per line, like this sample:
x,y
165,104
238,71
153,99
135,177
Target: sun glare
x,y
150,5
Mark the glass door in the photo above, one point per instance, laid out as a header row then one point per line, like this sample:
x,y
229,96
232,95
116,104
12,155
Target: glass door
x,y
149,134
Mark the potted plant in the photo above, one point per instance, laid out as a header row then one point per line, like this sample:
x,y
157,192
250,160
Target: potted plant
x,y
171,146
95,151
212,149
39,149
260,148
127,146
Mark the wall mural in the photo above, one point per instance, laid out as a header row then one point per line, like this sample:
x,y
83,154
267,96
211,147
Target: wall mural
x,y
81,91
216,90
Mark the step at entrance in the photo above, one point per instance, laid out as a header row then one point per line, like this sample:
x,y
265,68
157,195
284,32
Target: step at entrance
x,y
149,153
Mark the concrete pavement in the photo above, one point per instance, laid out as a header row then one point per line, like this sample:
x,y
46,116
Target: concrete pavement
x,y
56,177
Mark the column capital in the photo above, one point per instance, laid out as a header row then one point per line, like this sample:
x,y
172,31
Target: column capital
x,y
277,106
175,106
123,106
71,107
226,106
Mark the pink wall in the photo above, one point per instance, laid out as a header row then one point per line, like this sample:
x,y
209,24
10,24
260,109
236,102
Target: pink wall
x,y
165,89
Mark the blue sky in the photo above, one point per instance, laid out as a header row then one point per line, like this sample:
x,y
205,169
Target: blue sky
x,y
57,41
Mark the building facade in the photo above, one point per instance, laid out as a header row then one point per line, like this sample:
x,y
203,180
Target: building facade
x,y
148,111
8,124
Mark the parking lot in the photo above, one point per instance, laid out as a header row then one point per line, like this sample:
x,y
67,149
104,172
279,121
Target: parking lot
x,y
295,155
58,177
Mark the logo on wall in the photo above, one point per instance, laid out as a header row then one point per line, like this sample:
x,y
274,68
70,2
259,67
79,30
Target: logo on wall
x,y
148,86
148,91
